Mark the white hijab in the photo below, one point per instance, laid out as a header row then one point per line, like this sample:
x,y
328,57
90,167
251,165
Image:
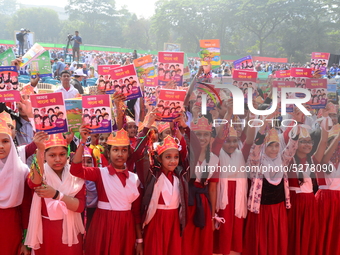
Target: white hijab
x,y
270,163
13,173
57,210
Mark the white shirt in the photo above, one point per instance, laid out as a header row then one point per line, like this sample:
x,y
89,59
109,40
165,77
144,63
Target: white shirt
x,y
71,93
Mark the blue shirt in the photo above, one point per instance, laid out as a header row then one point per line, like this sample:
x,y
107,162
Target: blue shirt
x,y
75,44
60,66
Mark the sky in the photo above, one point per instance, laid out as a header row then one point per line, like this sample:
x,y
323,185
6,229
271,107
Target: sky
x,y
145,8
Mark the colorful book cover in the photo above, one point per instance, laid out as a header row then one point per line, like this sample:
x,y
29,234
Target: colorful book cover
x,y
97,113
42,65
125,81
319,62
170,103
245,80
49,113
318,90
210,52
284,84
105,69
150,90
144,68
170,67
74,113
8,78
244,63
6,57
35,51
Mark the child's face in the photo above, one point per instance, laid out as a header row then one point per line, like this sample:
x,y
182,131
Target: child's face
x,y
87,162
5,145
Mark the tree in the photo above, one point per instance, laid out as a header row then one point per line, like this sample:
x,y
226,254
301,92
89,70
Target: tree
x,y
136,33
43,22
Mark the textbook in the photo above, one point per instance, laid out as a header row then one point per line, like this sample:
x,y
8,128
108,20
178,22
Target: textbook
x,y
144,68
318,90
210,52
9,84
96,110
34,52
284,84
49,113
244,63
42,65
74,113
170,67
150,90
125,81
9,78
6,57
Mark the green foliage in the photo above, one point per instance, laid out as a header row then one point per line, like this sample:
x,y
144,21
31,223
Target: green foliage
x,y
43,22
277,28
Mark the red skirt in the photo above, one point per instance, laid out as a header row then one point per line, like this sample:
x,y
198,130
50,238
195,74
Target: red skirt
x,y
266,233
11,231
111,233
52,240
196,240
328,202
302,224
229,237
162,235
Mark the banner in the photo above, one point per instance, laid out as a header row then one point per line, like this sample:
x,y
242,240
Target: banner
x,y
172,47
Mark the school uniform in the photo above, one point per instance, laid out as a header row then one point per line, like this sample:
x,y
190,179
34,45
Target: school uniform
x,y
198,233
112,230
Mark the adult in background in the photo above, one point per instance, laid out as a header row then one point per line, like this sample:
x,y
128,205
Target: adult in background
x,y
60,67
21,38
68,90
78,78
76,46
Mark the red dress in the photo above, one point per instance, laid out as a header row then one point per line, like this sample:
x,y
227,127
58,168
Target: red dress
x,y
302,218
53,230
162,234
197,240
110,232
328,202
13,221
229,236
270,222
